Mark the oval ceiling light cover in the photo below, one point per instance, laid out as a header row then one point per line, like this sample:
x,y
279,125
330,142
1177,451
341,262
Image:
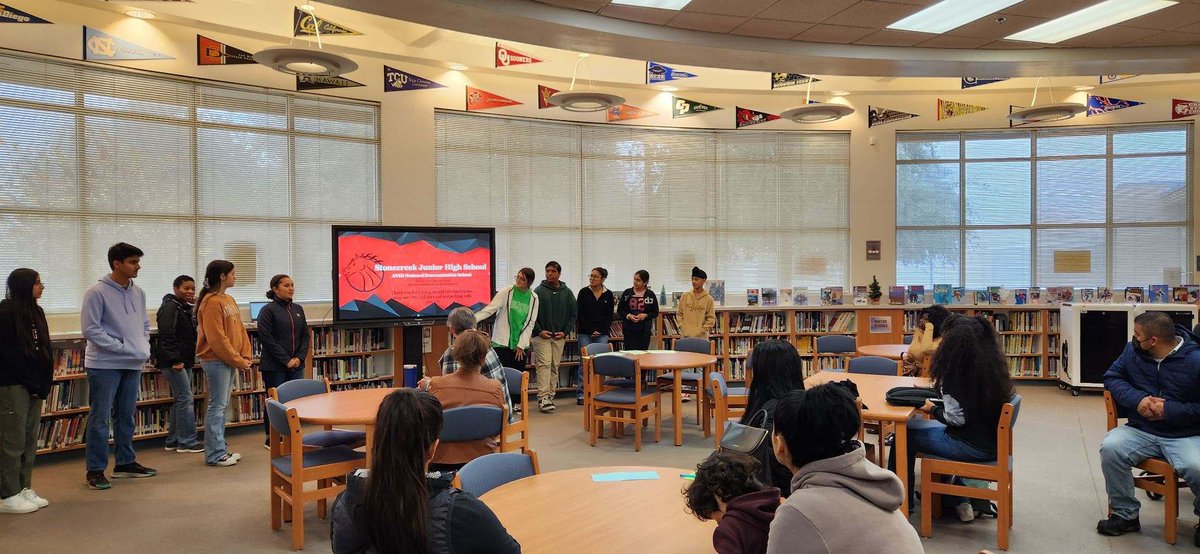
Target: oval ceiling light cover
x,y
817,113
304,61
1048,112
585,101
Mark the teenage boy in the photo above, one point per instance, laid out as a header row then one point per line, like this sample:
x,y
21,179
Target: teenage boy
x,y
555,319
114,322
696,312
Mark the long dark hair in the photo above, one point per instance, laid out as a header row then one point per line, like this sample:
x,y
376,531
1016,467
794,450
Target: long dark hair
x,y
970,366
397,501
776,366
27,315
212,279
937,314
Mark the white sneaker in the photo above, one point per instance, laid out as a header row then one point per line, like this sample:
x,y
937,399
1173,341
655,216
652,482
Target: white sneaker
x,y
965,512
31,496
16,504
227,460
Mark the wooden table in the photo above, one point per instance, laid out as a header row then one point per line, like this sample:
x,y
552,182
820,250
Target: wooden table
x,y
675,362
565,511
872,389
892,351
347,407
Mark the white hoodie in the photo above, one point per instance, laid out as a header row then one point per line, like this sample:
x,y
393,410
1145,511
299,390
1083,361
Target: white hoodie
x,y
499,307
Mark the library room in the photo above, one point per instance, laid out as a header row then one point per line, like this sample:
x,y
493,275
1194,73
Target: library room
x,y
732,276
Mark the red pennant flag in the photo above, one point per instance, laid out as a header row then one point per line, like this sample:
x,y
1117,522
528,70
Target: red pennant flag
x,y
625,112
478,99
746,117
506,56
544,93
1184,108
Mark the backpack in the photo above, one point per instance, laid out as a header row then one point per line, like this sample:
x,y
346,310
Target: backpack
x,y
753,439
911,396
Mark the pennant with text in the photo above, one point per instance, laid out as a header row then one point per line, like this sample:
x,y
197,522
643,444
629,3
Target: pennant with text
x,y
883,116
949,108
98,45
1097,105
9,14
971,82
305,24
215,52
396,80
1184,108
479,99
506,57
659,73
780,80
1114,78
747,117
625,112
318,82
544,93
682,107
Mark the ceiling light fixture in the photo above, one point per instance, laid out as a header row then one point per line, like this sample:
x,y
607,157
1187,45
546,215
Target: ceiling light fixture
x,y
140,14
660,4
305,61
1046,112
1092,18
458,67
816,113
839,93
950,14
584,101
1081,88
668,88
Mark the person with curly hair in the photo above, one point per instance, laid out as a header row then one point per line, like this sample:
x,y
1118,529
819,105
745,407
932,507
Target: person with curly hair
x,y
727,490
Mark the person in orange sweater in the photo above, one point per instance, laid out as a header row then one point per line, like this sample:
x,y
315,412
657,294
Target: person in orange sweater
x,y
223,347
466,387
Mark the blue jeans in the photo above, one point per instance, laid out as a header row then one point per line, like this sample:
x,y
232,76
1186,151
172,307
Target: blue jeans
x,y
584,341
219,377
272,379
111,392
1125,446
928,436
181,420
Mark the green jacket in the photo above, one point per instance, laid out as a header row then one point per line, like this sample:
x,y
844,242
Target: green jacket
x,y
556,309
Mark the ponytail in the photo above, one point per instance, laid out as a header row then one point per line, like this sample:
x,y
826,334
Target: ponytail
x,y
212,279
396,506
275,283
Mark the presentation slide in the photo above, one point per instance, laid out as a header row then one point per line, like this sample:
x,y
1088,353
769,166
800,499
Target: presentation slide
x,y
397,274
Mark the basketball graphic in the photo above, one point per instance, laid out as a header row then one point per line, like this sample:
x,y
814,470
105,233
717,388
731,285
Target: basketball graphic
x,y
361,274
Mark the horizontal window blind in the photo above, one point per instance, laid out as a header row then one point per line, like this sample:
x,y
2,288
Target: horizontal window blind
x,y
187,171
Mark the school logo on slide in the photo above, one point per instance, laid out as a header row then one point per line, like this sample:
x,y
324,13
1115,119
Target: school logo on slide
x,y
361,274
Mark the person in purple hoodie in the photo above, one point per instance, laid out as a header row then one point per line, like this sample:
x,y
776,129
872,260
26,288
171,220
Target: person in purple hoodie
x,y
727,490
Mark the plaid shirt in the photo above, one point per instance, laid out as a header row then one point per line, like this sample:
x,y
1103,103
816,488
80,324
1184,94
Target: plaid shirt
x,y
492,369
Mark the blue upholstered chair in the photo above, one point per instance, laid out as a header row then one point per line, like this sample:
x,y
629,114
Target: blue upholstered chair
x,y
492,470
518,385
840,346
908,339
299,388
726,402
691,381
621,406
589,351
873,365
470,423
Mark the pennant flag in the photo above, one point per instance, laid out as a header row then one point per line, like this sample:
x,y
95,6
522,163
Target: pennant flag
x,y
304,23
396,80
1184,108
544,93
883,116
682,107
213,52
1113,78
98,45
780,80
317,82
970,82
1011,109
506,56
948,108
659,73
9,14
626,112
1097,105
478,99
747,117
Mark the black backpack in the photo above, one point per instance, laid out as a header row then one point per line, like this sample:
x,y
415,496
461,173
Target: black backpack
x,y
911,396
753,439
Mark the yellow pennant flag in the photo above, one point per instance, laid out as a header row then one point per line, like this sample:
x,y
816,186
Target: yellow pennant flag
x,y
948,108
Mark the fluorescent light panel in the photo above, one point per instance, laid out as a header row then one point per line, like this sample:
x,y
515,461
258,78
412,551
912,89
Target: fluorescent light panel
x,y
950,14
661,4
1092,18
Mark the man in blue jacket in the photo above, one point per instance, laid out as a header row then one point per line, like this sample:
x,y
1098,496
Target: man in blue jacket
x,y
1156,382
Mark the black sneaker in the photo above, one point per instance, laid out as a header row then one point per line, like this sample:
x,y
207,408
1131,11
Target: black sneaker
x,y
97,480
579,401
170,446
546,405
134,471
1115,526
192,449
1196,536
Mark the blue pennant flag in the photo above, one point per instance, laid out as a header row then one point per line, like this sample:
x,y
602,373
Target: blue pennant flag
x,y
396,80
969,82
98,45
1097,105
659,73
9,14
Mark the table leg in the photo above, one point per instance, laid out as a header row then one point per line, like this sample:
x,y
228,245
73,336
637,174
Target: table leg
x,y
677,407
902,461
370,430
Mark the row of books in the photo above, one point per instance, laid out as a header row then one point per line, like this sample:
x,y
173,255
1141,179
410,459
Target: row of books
x,y
671,325
825,322
947,295
382,384
1025,367
327,341
1021,344
741,346
570,355
344,369
757,323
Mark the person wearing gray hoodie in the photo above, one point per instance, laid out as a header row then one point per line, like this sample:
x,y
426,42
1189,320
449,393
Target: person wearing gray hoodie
x,y
840,502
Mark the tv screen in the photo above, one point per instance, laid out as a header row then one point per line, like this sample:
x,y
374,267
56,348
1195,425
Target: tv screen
x,y
410,275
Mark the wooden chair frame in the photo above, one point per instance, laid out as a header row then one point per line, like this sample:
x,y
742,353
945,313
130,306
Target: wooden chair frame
x,y
1158,474
643,408
721,408
275,396
585,362
521,426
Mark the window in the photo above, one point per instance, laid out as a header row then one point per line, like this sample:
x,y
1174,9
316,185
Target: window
x,y
1076,206
756,209
186,171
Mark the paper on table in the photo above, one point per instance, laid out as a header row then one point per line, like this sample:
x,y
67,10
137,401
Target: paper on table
x,y
625,476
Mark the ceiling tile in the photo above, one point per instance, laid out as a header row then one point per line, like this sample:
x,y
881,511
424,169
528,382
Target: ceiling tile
x,y
951,41
706,22
1193,28
811,11
585,5
635,13
1167,38
1013,45
1173,17
1049,9
989,28
872,14
833,33
891,37
745,8
1108,37
770,28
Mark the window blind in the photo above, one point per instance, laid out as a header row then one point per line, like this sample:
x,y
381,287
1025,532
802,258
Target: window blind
x,y
185,170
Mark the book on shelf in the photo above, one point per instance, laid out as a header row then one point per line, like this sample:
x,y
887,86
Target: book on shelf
x,y
1159,294
331,341
981,297
1104,295
958,295
800,296
1020,296
1087,295
716,289
751,297
670,325
1193,293
675,296
941,294
1135,295
995,295
896,295
786,298
860,295
1179,295
68,361
1035,295
916,294
842,322
834,295
770,297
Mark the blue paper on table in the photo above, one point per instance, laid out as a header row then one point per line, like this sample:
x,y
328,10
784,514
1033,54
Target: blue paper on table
x,y
625,476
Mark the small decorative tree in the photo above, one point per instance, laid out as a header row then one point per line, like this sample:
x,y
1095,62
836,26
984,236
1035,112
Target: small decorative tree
x,y
873,291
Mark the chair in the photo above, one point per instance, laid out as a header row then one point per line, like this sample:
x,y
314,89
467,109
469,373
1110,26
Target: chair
x,y
299,388
518,384
1156,474
725,402
611,405
998,471
488,472
841,346
691,380
589,351
292,467
471,423
873,365
908,339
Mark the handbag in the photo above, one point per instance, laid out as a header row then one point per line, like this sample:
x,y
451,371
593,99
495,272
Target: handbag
x,y
911,396
752,439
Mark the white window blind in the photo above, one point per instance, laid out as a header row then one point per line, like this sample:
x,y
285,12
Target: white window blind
x,y
752,208
186,171
1000,208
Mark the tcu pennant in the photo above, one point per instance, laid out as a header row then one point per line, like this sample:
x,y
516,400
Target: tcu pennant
x,y
1184,108
506,56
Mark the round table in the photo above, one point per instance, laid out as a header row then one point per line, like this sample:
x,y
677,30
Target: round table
x,y
347,407
566,510
675,362
892,351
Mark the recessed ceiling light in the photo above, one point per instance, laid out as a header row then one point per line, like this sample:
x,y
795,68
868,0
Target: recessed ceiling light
x,y
668,88
140,14
661,4
838,93
307,8
950,14
1092,18
1082,88
458,67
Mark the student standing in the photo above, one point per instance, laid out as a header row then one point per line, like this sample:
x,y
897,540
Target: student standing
x,y
637,309
283,333
596,305
515,308
26,371
174,356
696,311
223,347
114,322
555,320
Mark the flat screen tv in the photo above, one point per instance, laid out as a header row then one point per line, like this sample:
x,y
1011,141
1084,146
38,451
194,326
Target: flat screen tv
x,y
410,275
